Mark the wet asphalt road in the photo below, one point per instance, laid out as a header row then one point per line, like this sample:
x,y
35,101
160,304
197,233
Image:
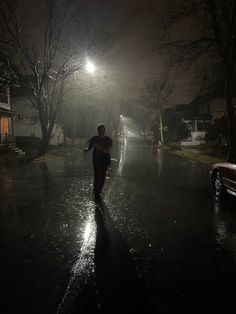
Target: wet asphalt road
x,y
160,243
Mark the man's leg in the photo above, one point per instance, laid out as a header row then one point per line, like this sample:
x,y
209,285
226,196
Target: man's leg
x,y
103,176
96,180
99,179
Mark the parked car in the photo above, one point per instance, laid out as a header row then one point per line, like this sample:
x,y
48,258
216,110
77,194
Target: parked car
x,y
223,178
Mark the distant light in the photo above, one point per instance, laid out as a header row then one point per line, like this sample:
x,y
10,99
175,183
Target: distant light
x,y
121,116
90,67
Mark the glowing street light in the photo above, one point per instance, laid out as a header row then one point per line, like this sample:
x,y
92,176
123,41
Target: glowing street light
x,y
121,116
90,67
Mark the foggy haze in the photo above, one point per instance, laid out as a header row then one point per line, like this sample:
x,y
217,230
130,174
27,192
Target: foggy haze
x,y
130,61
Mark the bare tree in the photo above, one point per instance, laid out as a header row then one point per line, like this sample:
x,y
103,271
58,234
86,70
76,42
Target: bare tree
x,y
45,59
43,63
155,95
7,70
209,42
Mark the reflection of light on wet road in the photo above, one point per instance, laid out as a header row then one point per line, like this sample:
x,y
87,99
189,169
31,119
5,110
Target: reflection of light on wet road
x,y
159,158
83,267
86,251
221,233
122,156
224,228
87,231
7,181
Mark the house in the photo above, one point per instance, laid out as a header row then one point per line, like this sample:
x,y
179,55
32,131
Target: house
x,y
7,130
217,108
27,124
200,114
197,119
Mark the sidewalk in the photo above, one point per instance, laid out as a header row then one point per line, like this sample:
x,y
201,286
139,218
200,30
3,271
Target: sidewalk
x,y
204,155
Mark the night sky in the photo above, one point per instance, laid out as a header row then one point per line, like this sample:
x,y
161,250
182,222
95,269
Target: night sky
x,y
130,61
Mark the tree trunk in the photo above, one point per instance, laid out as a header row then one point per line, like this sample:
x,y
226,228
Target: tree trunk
x,y
232,121
161,128
144,132
43,146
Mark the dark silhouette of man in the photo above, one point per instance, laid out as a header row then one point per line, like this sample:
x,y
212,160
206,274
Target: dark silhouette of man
x,y
102,146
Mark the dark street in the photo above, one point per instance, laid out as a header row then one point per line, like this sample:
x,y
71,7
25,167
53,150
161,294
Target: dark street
x,y
160,243
118,156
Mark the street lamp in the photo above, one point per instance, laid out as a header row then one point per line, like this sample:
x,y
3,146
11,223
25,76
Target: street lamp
x,y
121,123
90,67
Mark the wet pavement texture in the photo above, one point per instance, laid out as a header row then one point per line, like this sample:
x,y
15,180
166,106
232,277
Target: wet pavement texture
x,y
159,243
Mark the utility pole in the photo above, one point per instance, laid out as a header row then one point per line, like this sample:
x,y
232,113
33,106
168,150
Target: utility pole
x,y
161,126
73,111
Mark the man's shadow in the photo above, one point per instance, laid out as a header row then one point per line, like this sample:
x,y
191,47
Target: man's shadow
x,y
118,286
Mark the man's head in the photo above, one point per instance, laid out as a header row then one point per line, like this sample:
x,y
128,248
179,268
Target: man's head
x,y
101,130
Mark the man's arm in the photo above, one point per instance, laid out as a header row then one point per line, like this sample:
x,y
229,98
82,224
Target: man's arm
x,y
90,146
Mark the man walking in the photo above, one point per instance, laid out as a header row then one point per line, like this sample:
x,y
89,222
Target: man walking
x,y
102,146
